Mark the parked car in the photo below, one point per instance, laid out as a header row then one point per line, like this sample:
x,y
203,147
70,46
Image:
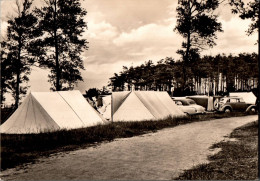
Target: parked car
x,y
229,104
189,106
203,100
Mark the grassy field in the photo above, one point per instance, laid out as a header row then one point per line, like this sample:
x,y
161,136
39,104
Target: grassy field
x,y
237,160
17,149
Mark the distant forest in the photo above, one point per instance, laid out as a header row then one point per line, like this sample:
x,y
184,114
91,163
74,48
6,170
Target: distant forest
x,y
213,75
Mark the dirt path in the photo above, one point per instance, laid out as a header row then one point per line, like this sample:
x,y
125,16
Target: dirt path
x,y
156,156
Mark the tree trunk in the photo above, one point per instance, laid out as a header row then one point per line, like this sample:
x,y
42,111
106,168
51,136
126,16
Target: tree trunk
x,y
2,96
58,86
17,92
185,62
186,56
221,83
18,72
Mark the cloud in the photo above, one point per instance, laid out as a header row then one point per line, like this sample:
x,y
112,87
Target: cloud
x,y
3,26
234,39
128,14
39,80
224,12
150,33
101,30
150,41
97,75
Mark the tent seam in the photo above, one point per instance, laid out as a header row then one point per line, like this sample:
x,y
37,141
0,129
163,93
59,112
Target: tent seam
x,y
34,113
46,112
27,111
14,122
71,108
164,104
122,102
146,106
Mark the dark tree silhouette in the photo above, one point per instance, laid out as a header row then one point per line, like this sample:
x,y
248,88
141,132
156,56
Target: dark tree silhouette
x,y
62,24
117,82
92,92
198,25
6,71
20,31
249,10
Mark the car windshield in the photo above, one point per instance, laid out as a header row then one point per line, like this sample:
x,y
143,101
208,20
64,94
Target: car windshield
x,y
186,102
242,100
178,103
234,100
183,102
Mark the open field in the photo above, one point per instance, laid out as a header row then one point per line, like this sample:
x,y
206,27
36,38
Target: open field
x,y
237,159
23,148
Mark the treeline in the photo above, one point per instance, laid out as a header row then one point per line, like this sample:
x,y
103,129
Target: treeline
x,y
214,75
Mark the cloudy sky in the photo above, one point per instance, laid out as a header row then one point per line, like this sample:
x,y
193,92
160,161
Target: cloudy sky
x,y
130,32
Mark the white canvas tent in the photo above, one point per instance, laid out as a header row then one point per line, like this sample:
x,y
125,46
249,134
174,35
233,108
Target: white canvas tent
x,y
50,111
143,105
248,97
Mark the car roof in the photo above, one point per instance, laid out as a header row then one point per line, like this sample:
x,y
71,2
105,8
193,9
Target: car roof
x,y
182,99
179,99
233,97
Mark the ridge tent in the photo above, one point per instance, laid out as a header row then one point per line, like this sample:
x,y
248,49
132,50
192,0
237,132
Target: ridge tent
x,y
249,97
143,105
50,111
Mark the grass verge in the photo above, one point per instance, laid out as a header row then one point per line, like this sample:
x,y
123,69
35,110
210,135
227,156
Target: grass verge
x,y
17,149
237,160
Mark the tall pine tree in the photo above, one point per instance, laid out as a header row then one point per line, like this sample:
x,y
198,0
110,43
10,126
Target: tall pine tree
x,y
20,32
197,24
60,47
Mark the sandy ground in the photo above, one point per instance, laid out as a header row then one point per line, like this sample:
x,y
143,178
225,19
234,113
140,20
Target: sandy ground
x,y
156,156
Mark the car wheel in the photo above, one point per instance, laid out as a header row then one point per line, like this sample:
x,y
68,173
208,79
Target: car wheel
x,y
252,110
227,110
